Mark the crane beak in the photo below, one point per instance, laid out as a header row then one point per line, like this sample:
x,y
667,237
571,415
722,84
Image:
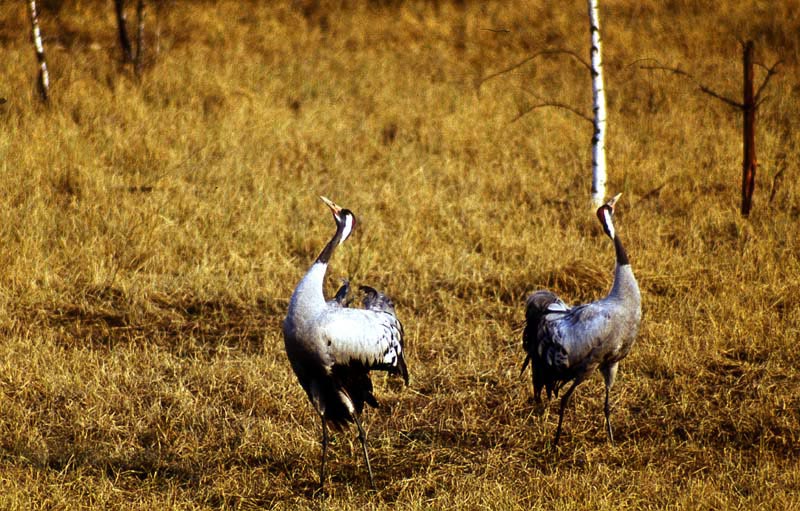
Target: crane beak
x,y
613,201
334,208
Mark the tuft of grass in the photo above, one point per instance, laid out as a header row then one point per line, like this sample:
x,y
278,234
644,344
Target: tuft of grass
x,y
152,232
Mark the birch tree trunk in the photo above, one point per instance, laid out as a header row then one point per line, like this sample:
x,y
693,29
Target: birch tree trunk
x,y
44,76
599,108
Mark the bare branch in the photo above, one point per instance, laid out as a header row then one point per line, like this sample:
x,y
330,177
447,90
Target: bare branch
x,y
764,66
574,55
731,102
676,70
528,59
777,180
770,72
654,192
760,101
643,59
702,87
497,30
552,104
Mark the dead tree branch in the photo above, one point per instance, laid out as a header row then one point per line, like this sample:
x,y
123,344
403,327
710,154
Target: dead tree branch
x,y
771,71
532,57
554,104
706,89
751,100
713,94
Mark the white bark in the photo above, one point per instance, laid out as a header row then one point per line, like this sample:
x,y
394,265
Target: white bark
x,y
36,35
599,108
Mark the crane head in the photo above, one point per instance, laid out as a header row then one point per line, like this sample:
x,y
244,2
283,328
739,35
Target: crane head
x,y
605,213
345,219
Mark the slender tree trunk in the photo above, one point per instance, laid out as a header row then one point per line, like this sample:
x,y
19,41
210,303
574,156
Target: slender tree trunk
x,y
599,108
44,76
124,40
138,60
750,163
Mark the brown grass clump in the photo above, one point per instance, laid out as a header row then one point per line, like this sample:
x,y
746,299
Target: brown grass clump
x,y
152,233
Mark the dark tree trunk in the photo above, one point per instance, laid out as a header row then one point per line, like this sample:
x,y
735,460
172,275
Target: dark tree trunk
x,y
124,40
749,108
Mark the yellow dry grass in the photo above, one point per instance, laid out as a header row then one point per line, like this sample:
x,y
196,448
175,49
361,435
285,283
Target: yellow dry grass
x,y
152,232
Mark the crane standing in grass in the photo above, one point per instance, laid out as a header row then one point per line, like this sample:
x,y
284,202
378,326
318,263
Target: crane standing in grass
x,y
566,344
332,347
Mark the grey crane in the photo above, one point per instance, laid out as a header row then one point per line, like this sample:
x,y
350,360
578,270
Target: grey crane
x,y
332,347
566,344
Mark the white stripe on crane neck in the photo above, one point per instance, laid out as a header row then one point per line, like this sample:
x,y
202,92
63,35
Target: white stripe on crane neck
x,y
347,229
608,223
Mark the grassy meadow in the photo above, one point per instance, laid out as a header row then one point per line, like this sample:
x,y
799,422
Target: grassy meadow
x,y
152,231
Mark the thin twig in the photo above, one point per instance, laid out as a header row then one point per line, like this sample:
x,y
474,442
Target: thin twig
x,y
770,72
654,192
497,30
777,179
528,59
552,104
643,59
676,70
764,66
702,87
720,97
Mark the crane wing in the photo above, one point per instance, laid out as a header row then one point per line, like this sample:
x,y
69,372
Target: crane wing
x,y
538,306
340,299
567,339
372,338
375,300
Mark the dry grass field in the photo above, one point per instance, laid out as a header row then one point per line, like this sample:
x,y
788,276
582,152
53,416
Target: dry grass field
x,y
152,231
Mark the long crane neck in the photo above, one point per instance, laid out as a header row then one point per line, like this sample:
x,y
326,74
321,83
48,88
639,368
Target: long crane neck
x,y
327,252
308,294
622,255
625,286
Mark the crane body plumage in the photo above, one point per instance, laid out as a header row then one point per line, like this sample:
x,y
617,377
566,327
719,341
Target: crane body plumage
x,y
565,345
332,347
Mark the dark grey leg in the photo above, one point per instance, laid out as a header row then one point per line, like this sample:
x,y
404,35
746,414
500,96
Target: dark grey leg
x,y
609,374
363,437
324,453
607,409
564,401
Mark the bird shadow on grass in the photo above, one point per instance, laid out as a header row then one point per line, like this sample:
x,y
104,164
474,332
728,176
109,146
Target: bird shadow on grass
x,y
108,319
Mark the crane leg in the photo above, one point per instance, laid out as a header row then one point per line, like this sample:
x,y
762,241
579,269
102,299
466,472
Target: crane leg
x,y
324,453
609,374
363,437
564,401
607,410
